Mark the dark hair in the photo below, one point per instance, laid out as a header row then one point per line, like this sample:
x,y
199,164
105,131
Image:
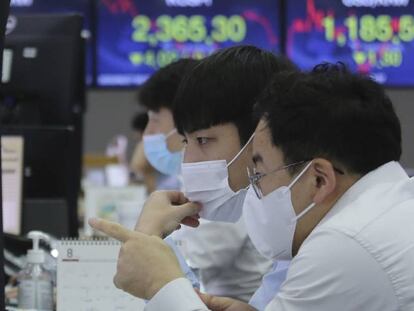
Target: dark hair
x,y
139,122
334,114
223,87
159,90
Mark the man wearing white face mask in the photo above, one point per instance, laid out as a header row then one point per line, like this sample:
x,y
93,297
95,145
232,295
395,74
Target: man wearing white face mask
x,y
208,182
227,262
326,190
218,132
161,143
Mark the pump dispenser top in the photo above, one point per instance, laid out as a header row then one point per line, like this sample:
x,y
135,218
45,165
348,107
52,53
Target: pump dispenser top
x,y
36,255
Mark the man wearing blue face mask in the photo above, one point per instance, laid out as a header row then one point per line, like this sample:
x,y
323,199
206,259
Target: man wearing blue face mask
x,y
326,190
162,144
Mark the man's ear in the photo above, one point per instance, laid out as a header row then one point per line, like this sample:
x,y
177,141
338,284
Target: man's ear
x,y
325,179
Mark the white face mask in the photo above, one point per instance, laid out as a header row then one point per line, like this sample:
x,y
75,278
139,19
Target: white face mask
x,y
271,221
208,183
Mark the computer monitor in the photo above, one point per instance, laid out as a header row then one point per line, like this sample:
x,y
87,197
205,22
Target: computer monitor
x,y
4,11
43,80
83,7
45,87
12,182
49,192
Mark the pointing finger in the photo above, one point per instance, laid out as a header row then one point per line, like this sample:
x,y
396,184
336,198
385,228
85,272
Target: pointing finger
x,y
111,229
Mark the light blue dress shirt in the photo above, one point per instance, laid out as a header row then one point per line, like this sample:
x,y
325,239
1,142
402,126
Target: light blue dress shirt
x,y
189,274
270,285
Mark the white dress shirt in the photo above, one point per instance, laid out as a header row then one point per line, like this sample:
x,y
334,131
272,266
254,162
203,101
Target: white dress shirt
x,y
227,262
360,256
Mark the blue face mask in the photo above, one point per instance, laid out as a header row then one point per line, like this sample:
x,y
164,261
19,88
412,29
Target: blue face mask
x,y
158,155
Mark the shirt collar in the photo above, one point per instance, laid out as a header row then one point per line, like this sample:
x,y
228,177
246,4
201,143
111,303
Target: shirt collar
x,y
390,172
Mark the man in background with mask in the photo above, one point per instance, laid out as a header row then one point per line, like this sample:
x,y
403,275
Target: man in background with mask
x,y
162,144
215,104
139,165
326,190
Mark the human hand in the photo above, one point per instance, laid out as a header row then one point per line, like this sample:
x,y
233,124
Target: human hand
x,y
145,263
215,303
164,211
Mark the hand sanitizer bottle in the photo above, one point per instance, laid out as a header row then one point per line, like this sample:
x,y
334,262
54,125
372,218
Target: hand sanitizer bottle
x,y
35,282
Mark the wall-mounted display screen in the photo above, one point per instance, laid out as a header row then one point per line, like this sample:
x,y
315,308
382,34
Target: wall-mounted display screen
x,y
375,37
135,38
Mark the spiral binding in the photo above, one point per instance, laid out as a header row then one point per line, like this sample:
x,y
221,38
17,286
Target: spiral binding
x,y
88,241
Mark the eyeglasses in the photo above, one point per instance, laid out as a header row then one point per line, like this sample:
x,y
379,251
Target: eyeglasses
x,y
254,177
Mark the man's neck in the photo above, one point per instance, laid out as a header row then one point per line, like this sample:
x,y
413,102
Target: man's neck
x,y
309,221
